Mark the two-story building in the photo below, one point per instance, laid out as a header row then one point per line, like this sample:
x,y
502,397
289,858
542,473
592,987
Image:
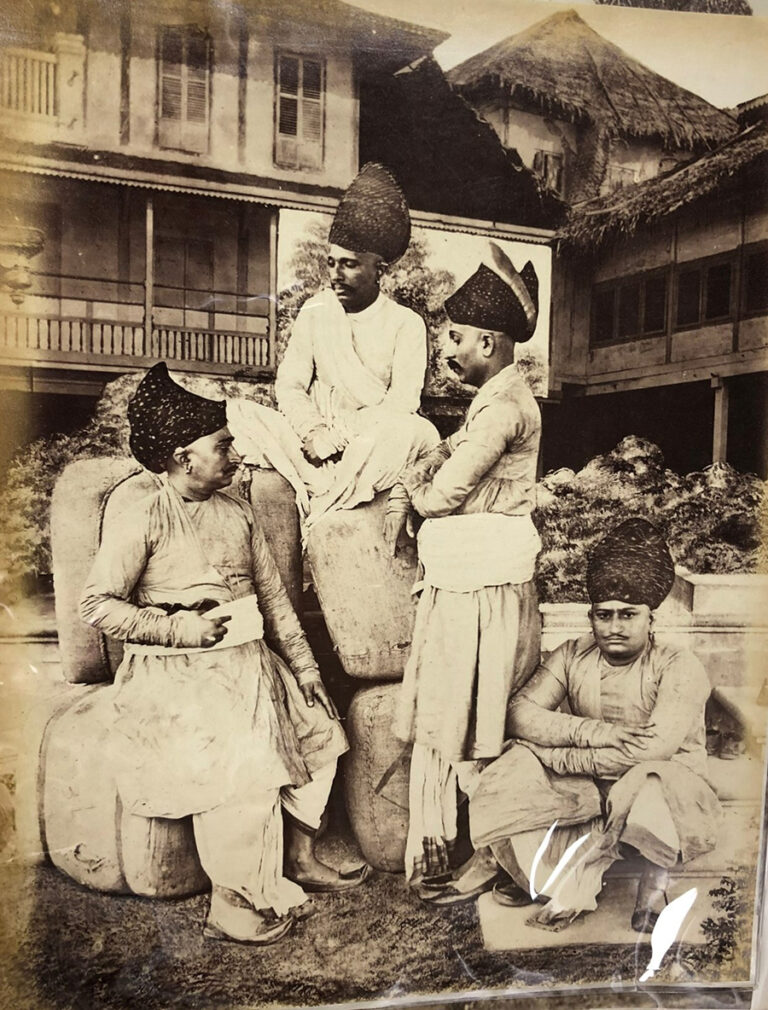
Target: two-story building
x,y
582,113
660,312
147,151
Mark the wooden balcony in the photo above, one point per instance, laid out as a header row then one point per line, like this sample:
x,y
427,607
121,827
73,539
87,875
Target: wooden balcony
x,y
67,330
28,83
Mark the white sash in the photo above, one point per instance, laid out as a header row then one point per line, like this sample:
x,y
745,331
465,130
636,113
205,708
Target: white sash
x,y
469,552
333,344
246,624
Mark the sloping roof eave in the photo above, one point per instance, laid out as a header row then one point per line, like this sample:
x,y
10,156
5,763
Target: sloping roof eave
x,y
625,211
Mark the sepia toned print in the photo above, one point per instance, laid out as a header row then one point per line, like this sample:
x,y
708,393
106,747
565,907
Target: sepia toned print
x,y
382,560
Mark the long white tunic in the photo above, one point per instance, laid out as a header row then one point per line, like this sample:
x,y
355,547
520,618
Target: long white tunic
x,y
471,650
360,377
195,730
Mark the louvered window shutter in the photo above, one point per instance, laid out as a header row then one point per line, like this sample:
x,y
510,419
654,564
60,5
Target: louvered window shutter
x,y
185,90
300,97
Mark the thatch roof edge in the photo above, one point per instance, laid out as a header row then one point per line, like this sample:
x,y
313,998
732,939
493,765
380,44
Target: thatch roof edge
x,y
625,211
685,118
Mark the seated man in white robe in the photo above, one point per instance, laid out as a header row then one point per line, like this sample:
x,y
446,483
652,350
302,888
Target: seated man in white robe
x,y
349,385
209,721
623,773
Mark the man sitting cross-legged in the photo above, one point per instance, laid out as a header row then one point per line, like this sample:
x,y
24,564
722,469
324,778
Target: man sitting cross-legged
x,y
626,769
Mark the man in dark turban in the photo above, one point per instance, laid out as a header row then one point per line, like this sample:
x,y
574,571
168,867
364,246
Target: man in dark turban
x,y
350,381
209,721
622,774
476,637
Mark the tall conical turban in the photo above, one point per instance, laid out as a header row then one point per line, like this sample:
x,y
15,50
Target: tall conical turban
x,y
497,297
373,215
164,416
633,564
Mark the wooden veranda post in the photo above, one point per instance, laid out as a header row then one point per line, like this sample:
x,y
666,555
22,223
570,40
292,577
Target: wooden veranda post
x,y
720,421
149,272
273,291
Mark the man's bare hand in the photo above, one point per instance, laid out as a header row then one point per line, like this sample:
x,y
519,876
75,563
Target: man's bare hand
x,y
395,525
319,446
312,452
315,691
211,629
625,738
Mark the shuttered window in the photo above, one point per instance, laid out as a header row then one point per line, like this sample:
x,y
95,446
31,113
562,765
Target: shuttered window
x,y
704,293
629,308
184,86
548,166
756,281
300,111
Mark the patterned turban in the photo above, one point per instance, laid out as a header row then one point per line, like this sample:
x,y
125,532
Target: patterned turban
x,y
164,416
497,297
373,215
632,564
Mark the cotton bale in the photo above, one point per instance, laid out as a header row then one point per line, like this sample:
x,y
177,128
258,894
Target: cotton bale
x,y
376,772
81,825
364,593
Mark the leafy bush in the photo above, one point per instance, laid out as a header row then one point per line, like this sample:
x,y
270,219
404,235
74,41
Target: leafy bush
x,y
25,500
727,933
710,518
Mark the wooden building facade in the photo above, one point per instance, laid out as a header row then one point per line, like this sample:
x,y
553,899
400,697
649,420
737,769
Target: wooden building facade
x,y
660,312
147,151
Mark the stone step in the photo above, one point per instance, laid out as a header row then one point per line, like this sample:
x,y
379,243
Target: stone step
x,y
505,928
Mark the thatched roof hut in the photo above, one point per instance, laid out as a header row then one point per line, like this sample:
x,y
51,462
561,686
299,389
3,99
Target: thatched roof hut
x,y
566,70
446,157
623,212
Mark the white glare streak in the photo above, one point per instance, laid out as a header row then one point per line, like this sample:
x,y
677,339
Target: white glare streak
x,y
665,931
563,862
537,859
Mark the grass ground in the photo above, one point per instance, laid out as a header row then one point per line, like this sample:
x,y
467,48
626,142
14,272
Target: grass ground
x,y
63,947
81,950
91,952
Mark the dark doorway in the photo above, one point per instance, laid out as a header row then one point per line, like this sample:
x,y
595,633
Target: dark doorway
x,y
748,423
676,418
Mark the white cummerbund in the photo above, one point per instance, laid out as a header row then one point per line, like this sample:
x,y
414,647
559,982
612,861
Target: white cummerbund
x,y
246,624
468,552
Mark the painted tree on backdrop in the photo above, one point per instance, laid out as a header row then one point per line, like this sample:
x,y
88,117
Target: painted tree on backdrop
x,y
412,282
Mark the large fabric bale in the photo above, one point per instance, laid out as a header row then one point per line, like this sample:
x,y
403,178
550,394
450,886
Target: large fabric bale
x,y
376,772
364,593
81,824
76,522
273,501
90,496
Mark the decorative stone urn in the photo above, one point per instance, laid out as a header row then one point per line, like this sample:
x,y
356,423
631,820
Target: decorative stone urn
x,y
18,245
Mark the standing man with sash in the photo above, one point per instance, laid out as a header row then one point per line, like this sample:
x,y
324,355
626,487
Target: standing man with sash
x,y
477,632
209,721
350,382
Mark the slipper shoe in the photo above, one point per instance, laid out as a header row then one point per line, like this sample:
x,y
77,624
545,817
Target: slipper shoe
x,y
348,879
450,896
270,935
644,919
510,895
